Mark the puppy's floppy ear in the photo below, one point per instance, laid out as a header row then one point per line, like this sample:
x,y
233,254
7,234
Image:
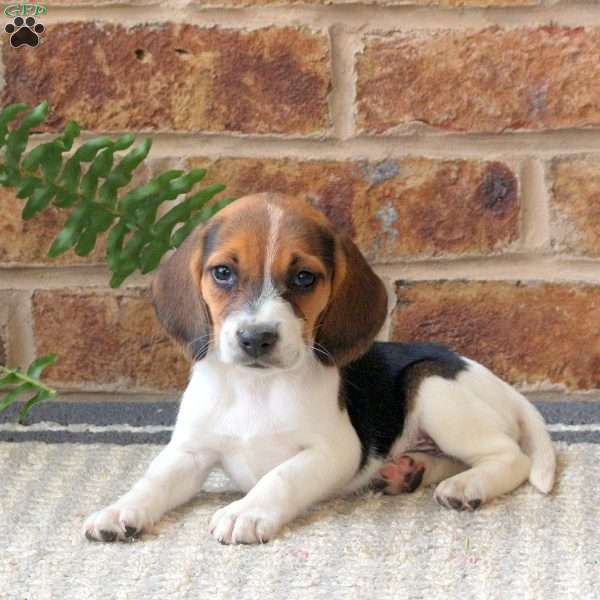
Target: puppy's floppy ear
x,y
357,307
177,296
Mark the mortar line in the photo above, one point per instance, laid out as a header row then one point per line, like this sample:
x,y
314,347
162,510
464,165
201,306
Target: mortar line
x,y
86,277
343,75
543,145
21,340
73,395
5,315
536,207
114,391
511,267
363,17
542,268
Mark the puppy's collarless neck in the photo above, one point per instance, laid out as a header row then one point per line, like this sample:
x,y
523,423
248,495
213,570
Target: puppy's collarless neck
x,y
306,369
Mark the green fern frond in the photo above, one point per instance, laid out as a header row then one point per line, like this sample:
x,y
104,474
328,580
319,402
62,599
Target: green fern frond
x,y
87,186
25,384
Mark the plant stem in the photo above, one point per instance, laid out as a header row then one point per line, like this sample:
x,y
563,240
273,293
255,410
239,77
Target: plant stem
x,y
26,379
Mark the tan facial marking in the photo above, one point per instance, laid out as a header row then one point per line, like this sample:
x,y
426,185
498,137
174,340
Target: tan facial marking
x,y
295,256
266,246
241,252
266,239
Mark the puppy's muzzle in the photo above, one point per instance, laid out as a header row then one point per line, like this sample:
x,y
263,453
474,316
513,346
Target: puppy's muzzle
x,y
258,340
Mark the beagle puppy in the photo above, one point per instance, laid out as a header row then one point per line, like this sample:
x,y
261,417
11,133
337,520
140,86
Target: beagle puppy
x,y
291,397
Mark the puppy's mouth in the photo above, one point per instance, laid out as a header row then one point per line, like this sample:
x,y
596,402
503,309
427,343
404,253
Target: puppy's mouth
x,y
257,364
261,365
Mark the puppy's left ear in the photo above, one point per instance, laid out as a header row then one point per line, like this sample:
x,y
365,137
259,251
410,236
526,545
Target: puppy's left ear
x,y
357,307
177,296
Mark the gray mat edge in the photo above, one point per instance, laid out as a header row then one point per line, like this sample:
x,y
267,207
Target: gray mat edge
x,y
163,413
150,422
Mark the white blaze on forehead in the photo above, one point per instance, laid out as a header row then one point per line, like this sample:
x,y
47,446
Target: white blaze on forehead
x,y
269,308
275,217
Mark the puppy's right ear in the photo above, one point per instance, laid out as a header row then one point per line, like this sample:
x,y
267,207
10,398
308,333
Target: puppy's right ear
x,y
177,296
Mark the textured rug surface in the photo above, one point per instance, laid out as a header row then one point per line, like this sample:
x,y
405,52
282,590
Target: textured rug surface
x,y
521,546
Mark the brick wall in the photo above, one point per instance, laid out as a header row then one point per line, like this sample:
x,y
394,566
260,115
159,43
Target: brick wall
x,y
456,140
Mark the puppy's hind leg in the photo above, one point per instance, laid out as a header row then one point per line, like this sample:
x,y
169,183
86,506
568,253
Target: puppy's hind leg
x,y
465,427
408,472
437,468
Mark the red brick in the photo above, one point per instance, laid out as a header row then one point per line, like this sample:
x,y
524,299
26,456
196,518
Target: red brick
x,y
488,80
575,206
106,339
175,77
528,333
27,242
394,208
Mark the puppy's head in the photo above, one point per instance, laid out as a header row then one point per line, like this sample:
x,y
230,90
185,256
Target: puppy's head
x,y
266,282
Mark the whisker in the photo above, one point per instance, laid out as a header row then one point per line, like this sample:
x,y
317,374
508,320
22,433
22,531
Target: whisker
x,y
206,340
323,351
209,337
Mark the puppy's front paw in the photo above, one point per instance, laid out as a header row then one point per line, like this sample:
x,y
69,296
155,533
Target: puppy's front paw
x,y
241,523
115,523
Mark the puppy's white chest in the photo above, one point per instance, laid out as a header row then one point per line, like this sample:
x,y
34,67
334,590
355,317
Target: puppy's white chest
x,y
255,423
250,459
256,434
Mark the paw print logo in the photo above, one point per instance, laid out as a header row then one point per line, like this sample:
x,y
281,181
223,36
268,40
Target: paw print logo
x,y
24,32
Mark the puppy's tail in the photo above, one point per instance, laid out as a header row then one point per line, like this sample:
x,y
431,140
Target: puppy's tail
x,y
537,444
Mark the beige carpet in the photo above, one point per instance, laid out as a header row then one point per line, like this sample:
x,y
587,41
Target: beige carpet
x,y
373,547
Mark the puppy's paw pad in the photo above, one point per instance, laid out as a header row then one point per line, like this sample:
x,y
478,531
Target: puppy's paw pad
x,y
239,524
403,476
456,496
114,523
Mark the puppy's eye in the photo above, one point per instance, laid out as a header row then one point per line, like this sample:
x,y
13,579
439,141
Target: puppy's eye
x,y
223,275
304,279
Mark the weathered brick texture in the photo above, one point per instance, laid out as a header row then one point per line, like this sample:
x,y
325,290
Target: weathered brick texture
x,y
394,208
575,206
176,77
535,333
488,80
106,340
459,154
28,242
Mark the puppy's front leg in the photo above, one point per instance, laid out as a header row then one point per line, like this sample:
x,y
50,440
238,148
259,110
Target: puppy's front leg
x,y
173,477
283,493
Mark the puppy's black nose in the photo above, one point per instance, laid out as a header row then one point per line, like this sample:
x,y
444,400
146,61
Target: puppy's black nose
x,y
258,340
